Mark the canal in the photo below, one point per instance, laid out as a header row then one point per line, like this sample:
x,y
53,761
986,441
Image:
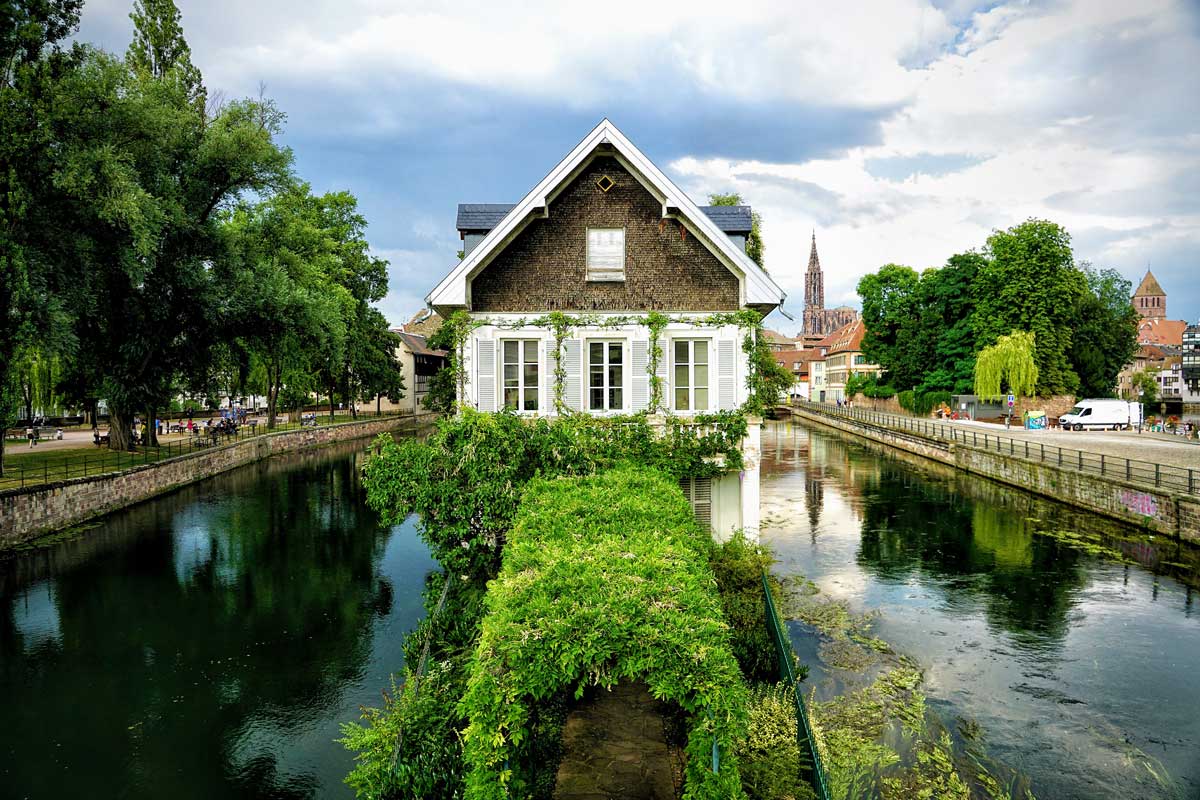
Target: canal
x,y
207,643
1062,649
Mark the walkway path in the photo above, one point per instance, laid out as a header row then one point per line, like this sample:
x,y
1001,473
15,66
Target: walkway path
x,y
615,746
1167,450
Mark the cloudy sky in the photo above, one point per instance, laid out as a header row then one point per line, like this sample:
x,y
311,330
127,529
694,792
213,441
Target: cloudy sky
x,y
900,130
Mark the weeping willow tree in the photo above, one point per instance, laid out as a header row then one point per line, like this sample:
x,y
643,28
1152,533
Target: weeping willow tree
x,y
1007,364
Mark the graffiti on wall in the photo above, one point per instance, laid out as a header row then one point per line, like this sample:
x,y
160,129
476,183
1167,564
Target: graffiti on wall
x,y
1139,503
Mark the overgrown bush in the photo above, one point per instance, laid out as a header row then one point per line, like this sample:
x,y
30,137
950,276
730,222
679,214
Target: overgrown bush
x,y
772,763
738,565
466,479
604,579
410,747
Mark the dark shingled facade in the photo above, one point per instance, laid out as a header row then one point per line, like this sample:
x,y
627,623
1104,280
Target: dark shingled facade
x,y
544,267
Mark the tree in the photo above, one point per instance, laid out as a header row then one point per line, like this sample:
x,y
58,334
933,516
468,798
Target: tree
x,y
443,393
1029,282
32,64
1105,332
146,180
1009,364
1144,385
754,242
891,301
159,51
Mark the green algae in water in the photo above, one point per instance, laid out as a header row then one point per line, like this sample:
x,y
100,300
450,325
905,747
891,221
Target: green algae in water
x,y
51,539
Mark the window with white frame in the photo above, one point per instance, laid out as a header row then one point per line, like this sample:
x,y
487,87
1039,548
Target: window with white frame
x,y
606,376
606,254
521,374
690,357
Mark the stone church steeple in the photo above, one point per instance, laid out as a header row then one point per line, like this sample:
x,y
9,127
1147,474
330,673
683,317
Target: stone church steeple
x,y
1150,299
814,292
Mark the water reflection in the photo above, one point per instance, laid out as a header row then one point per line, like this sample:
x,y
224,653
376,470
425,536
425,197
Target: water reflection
x,y
1071,640
206,644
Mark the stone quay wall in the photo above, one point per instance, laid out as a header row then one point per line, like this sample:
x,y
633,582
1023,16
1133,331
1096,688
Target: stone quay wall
x,y
29,513
1157,509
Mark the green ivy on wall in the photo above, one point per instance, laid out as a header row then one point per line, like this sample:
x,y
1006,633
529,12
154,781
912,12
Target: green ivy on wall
x,y
765,379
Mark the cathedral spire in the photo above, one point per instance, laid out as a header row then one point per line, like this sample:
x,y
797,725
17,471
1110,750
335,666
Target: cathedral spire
x,y
814,263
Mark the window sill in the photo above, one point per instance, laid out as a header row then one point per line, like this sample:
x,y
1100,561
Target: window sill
x,y
596,279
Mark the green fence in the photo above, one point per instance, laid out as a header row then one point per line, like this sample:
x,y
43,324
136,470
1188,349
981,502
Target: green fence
x,y
787,671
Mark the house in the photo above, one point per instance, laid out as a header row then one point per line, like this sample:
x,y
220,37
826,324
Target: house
x,y
778,341
606,239
1148,356
418,363
802,364
845,358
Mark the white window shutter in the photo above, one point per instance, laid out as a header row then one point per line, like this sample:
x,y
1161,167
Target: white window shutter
x,y
726,370
698,492
572,351
485,374
640,361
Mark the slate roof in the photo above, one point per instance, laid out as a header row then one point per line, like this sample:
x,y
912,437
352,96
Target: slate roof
x,y
416,344
482,217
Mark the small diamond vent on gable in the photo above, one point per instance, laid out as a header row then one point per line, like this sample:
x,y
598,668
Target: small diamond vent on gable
x,y
605,183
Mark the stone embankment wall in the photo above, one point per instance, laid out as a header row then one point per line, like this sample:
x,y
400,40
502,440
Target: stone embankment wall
x,y
1158,509
29,513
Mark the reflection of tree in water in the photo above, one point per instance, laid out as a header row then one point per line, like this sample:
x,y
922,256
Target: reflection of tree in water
x,y
243,625
975,551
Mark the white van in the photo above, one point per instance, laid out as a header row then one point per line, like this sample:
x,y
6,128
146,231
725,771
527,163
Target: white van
x,y
1103,415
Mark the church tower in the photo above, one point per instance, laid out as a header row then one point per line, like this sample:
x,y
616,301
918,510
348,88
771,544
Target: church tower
x,y
814,294
1150,300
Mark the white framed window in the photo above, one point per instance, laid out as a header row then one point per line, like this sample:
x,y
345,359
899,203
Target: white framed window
x,y
606,376
690,360
521,374
606,254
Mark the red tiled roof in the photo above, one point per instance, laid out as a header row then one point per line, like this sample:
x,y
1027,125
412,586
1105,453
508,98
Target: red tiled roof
x,y
1168,332
847,339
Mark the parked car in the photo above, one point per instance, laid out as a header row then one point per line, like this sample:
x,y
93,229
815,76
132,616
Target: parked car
x,y
1102,415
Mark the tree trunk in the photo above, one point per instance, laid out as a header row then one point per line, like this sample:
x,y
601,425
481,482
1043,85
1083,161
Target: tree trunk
x,y
331,417
378,401
151,437
92,405
272,395
120,430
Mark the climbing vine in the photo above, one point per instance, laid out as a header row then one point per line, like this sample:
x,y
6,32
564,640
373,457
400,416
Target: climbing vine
x,y
765,379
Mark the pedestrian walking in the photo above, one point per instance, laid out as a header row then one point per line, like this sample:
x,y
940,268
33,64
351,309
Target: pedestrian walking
x,y
29,436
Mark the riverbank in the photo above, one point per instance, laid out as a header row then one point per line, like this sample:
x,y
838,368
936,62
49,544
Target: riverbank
x,y
1116,491
27,514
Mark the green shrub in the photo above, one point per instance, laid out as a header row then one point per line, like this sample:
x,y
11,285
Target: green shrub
x,y
466,479
738,565
772,763
410,747
604,578
922,403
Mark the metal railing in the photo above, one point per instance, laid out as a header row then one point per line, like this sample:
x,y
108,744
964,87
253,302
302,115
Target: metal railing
x,y
787,672
102,461
1159,476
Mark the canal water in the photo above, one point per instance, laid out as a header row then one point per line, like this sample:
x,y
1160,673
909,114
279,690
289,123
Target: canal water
x,y
206,644
1065,646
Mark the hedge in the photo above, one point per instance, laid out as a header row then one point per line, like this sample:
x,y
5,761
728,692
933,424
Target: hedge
x,y
466,479
604,578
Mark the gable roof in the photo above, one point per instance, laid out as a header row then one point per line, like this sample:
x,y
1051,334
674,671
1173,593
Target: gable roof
x,y
779,338
1149,287
848,339
417,344
482,217
757,287
423,323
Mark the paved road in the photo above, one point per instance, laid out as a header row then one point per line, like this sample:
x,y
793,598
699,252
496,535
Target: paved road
x,y
1152,447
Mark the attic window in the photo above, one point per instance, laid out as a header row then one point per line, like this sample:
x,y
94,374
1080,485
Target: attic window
x,y
605,183
606,254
